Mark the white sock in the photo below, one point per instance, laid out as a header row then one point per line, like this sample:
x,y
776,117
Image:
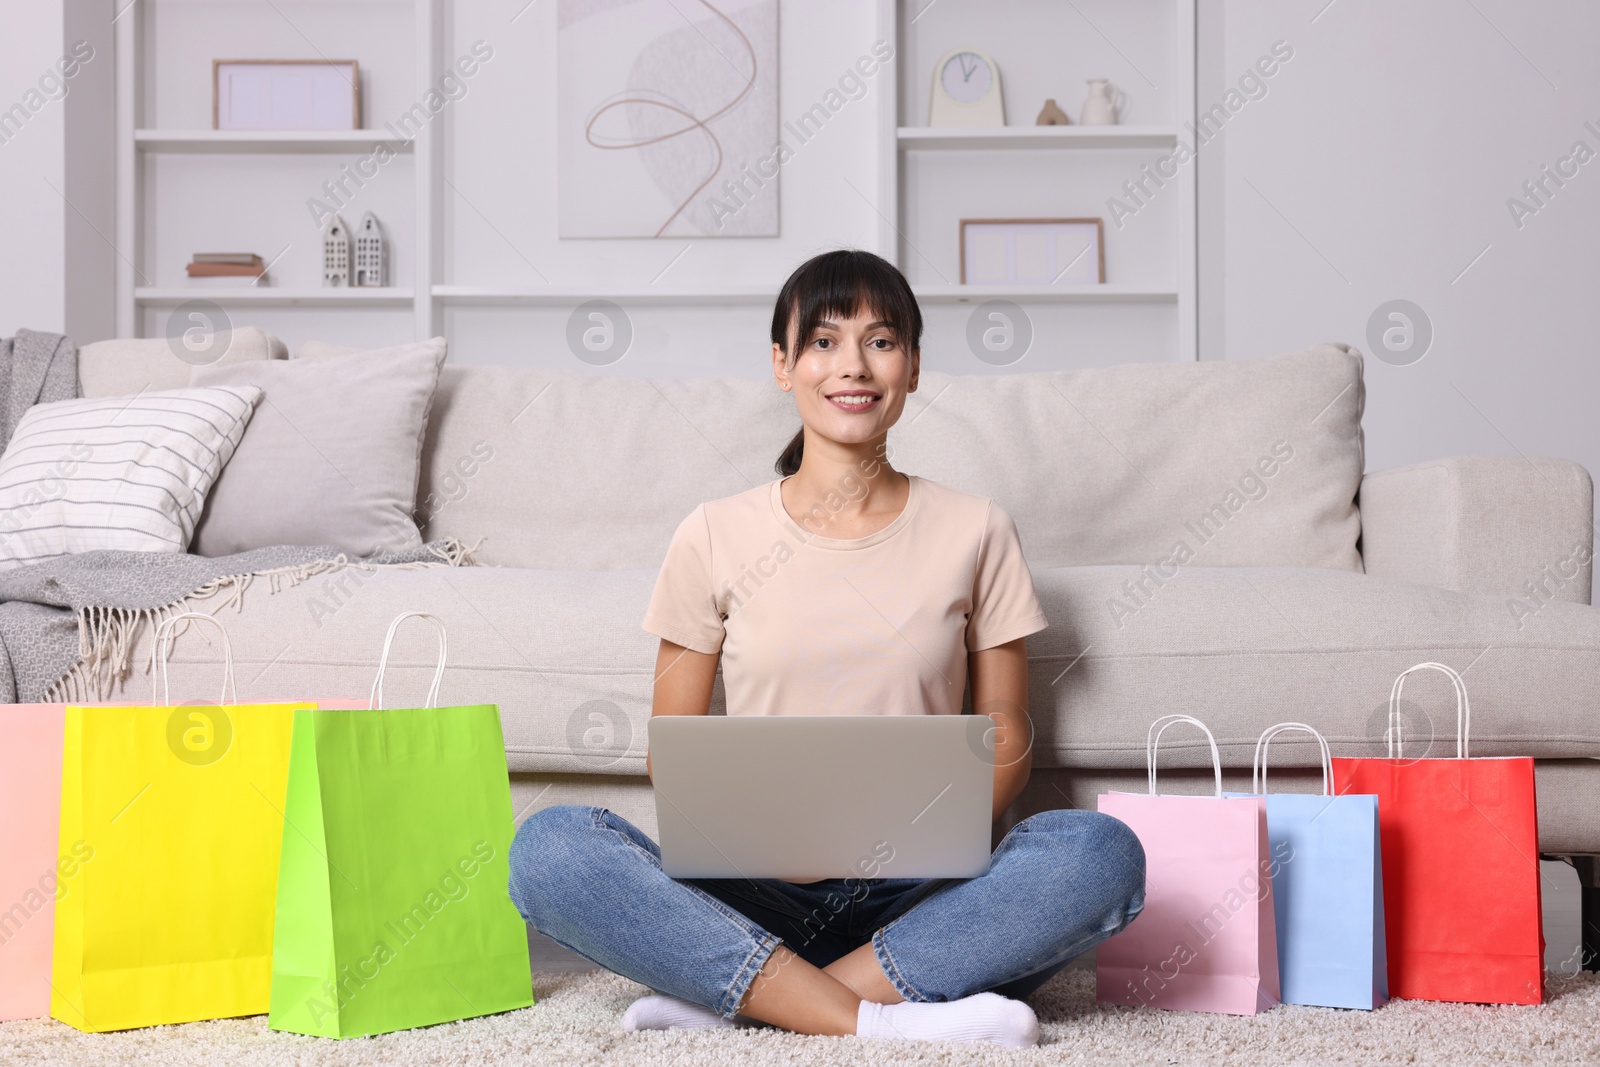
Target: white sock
x,y
661,1012
980,1017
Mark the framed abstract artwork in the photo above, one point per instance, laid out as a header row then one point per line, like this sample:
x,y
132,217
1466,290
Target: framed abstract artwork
x,y
667,118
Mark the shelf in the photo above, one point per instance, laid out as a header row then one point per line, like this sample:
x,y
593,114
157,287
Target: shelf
x,y
1045,294
566,295
342,296
569,296
285,141
1056,137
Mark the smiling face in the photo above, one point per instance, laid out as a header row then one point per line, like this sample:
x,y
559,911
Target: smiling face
x,y
850,377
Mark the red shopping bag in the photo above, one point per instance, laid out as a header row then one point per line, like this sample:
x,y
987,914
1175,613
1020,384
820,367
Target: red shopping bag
x,y
1460,866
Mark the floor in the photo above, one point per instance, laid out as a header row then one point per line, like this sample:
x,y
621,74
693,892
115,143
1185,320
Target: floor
x,y
575,1022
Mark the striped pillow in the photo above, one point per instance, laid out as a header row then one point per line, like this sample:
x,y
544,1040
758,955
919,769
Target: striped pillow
x,y
116,472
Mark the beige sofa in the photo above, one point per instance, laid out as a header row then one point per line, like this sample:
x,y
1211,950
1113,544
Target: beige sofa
x,y
1304,591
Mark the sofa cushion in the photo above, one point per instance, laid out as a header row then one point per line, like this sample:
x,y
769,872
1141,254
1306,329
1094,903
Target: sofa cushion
x,y
129,473
563,655
1242,463
125,366
1509,525
325,349
1243,648
570,471
551,648
331,457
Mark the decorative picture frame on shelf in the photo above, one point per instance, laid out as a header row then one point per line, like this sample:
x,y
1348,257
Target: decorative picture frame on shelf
x,y
1033,251
285,94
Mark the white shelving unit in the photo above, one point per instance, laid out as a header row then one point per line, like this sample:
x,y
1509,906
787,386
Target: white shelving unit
x,y
926,178
1013,157
137,143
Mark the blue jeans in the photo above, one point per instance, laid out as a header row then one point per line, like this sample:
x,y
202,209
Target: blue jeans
x,y
1060,883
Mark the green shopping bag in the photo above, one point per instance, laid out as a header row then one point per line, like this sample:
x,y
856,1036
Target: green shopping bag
x,y
392,910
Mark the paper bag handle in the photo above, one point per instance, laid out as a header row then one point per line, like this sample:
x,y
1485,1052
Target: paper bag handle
x,y
1463,711
158,662
1258,770
1153,741
432,701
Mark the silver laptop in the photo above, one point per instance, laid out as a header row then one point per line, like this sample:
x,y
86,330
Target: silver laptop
x,y
823,796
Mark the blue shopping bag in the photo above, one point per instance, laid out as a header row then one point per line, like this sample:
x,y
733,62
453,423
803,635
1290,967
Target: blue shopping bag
x,y
1329,888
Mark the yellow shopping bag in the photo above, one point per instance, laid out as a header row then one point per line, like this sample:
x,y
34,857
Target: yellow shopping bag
x,y
183,807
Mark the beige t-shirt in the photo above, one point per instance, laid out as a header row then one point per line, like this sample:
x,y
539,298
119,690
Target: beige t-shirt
x,y
875,625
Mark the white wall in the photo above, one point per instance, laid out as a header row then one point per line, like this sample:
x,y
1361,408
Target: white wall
x,y
501,213
32,289
89,261
57,177
1378,167
500,201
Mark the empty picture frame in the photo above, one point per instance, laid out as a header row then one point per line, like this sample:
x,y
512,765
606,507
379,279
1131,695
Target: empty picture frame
x,y
285,94
1032,252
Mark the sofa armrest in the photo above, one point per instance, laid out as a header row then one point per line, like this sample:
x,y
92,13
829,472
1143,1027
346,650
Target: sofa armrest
x,y
128,366
1506,525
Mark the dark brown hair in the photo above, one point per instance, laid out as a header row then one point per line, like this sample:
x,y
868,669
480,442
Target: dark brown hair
x,y
839,283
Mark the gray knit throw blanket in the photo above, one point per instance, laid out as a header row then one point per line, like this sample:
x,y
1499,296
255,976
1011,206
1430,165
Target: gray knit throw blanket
x,y
35,368
68,625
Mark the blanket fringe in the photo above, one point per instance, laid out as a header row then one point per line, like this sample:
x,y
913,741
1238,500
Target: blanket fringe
x,y
107,636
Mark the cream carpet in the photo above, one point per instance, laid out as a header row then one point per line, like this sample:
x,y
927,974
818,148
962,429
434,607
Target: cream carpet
x,y
575,1022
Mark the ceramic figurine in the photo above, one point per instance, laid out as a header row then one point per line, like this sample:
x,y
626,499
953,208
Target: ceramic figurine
x,y
1051,115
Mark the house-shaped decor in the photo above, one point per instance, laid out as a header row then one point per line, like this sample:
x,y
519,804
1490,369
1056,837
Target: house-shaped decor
x,y
369,252
336,253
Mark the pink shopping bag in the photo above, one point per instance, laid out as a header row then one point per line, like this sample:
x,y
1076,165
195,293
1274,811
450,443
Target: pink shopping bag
x,y
1205,940
32,875
34,872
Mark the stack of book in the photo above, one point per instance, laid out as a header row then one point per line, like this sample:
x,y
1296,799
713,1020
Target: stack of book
x,y
227,268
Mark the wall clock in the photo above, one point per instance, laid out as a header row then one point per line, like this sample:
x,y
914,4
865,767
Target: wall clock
x,y
966,91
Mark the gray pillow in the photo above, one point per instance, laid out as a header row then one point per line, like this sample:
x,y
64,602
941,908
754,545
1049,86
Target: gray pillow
x,y
332,456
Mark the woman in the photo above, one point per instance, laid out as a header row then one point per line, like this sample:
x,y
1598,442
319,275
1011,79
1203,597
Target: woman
x,y
845,587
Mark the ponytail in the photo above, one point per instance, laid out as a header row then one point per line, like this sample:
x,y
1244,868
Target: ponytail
x,y
789,462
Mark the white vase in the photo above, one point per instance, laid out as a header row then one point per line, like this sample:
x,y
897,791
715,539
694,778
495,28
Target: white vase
x,y
1100,109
